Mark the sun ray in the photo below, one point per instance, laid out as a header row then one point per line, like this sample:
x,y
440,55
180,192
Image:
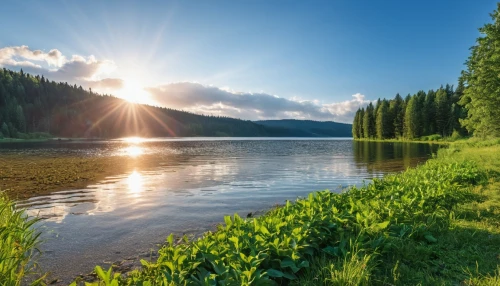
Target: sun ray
x,y
102,118
169,130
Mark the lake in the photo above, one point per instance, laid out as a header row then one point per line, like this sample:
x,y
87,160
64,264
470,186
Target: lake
x,y
186,186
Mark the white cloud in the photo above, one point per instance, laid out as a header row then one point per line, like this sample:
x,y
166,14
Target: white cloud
x,y
202,99
85,71
8,55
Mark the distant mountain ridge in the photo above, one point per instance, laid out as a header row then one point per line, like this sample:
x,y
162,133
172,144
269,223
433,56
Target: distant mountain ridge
x,y
310,128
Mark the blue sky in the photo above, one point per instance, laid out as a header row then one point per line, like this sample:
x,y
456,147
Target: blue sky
x,y
246,59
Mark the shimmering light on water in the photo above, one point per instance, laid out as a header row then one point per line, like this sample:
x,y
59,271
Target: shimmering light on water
x,y
134,182
134,151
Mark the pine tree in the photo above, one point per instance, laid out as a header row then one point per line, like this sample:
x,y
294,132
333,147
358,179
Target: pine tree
x,y
355,130
383,121
360,123
375,112
460,112
405,104
481,95
429,113
369,122
442,112
398,111
412,120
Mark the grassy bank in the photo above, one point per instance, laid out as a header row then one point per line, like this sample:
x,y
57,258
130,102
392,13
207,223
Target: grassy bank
x,y
18,241
438,224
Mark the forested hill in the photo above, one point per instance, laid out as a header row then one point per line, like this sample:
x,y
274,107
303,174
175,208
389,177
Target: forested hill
x,y
311,128
31,106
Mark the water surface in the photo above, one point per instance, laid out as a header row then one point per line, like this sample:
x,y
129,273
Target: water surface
x,y
186,186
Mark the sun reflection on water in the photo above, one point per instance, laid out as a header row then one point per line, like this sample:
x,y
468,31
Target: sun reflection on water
x,y
134,182
134,151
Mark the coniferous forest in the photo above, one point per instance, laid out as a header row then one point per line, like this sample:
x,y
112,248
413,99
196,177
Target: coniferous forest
x,y
434,113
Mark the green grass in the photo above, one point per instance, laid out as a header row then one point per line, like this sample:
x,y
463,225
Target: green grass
x,y
18,241
437,224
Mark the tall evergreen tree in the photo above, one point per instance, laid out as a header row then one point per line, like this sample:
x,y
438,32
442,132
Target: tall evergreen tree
x,y
481,95
412,120
355,130
405,104
398,111
442,112
460,112
383,120
429,114
361,127
369,122
375,112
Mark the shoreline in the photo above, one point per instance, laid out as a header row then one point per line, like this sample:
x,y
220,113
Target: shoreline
x,y
405,141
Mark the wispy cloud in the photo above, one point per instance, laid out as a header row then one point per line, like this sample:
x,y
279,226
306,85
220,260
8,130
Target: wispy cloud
x,y
198,98
87,71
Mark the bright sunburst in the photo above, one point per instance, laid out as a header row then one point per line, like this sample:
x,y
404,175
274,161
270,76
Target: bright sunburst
x,y
133,91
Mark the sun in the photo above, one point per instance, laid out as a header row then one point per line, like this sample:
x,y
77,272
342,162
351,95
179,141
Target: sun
x,y
133,91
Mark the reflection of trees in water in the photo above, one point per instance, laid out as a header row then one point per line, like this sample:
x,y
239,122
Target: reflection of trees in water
x,y
381,157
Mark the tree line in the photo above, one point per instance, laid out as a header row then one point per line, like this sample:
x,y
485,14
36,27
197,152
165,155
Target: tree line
x,y
421,114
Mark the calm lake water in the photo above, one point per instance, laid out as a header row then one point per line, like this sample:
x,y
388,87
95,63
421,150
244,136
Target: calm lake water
x,y
188,186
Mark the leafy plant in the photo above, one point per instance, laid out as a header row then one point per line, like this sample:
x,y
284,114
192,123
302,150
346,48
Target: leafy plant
x,y
18,242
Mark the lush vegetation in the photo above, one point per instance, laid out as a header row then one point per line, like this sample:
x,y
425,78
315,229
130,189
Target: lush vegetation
x,y
18,241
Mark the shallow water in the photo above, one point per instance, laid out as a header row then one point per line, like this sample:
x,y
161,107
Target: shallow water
x,y
188,186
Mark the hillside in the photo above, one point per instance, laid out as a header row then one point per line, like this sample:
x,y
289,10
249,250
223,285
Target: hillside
x,y
32,104
311,128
